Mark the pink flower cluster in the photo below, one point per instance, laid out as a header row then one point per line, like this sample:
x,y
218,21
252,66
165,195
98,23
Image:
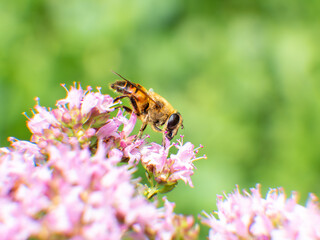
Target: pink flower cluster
x,y
174,226
121,139
75,119
249,216
73,195
169,170
68,183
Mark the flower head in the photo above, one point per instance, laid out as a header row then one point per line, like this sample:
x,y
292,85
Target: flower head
x,y
77,116
174,226
169,169
249,216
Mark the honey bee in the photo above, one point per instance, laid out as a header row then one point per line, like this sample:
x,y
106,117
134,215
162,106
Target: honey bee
x,y
149,107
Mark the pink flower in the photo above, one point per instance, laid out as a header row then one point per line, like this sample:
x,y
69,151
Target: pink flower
x,y
42,120
249,216
109,130
169,170
102,103
74,97
30,151
129,145
174,226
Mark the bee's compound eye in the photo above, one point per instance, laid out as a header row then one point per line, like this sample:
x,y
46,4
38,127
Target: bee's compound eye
x,y
121,83
174,119
118,85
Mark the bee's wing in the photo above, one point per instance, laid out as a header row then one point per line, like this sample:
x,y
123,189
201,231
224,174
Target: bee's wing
x,y
136,86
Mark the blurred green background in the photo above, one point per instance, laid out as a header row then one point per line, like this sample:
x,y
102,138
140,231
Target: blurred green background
x,y
245,75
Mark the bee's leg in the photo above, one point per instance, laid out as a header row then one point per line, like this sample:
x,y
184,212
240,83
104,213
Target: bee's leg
x,y
143,127
163,139
129,110
143,117
134,104
119,98
156,128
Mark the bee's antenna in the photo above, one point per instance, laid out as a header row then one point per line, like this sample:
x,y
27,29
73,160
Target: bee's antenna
x,y
119,75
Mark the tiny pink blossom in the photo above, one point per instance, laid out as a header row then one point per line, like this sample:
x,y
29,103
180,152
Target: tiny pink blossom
x,y
74,97
129,125
39,122
109,130
30,150
93,100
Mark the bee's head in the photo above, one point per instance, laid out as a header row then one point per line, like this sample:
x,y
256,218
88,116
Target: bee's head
x,y
173,124
119,86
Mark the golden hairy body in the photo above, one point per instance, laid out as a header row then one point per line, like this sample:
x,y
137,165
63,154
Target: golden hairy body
x,y
150,108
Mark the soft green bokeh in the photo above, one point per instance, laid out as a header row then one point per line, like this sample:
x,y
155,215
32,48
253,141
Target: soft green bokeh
x,y
245,75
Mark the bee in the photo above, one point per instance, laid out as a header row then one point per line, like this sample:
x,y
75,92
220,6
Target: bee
x,y
150,108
